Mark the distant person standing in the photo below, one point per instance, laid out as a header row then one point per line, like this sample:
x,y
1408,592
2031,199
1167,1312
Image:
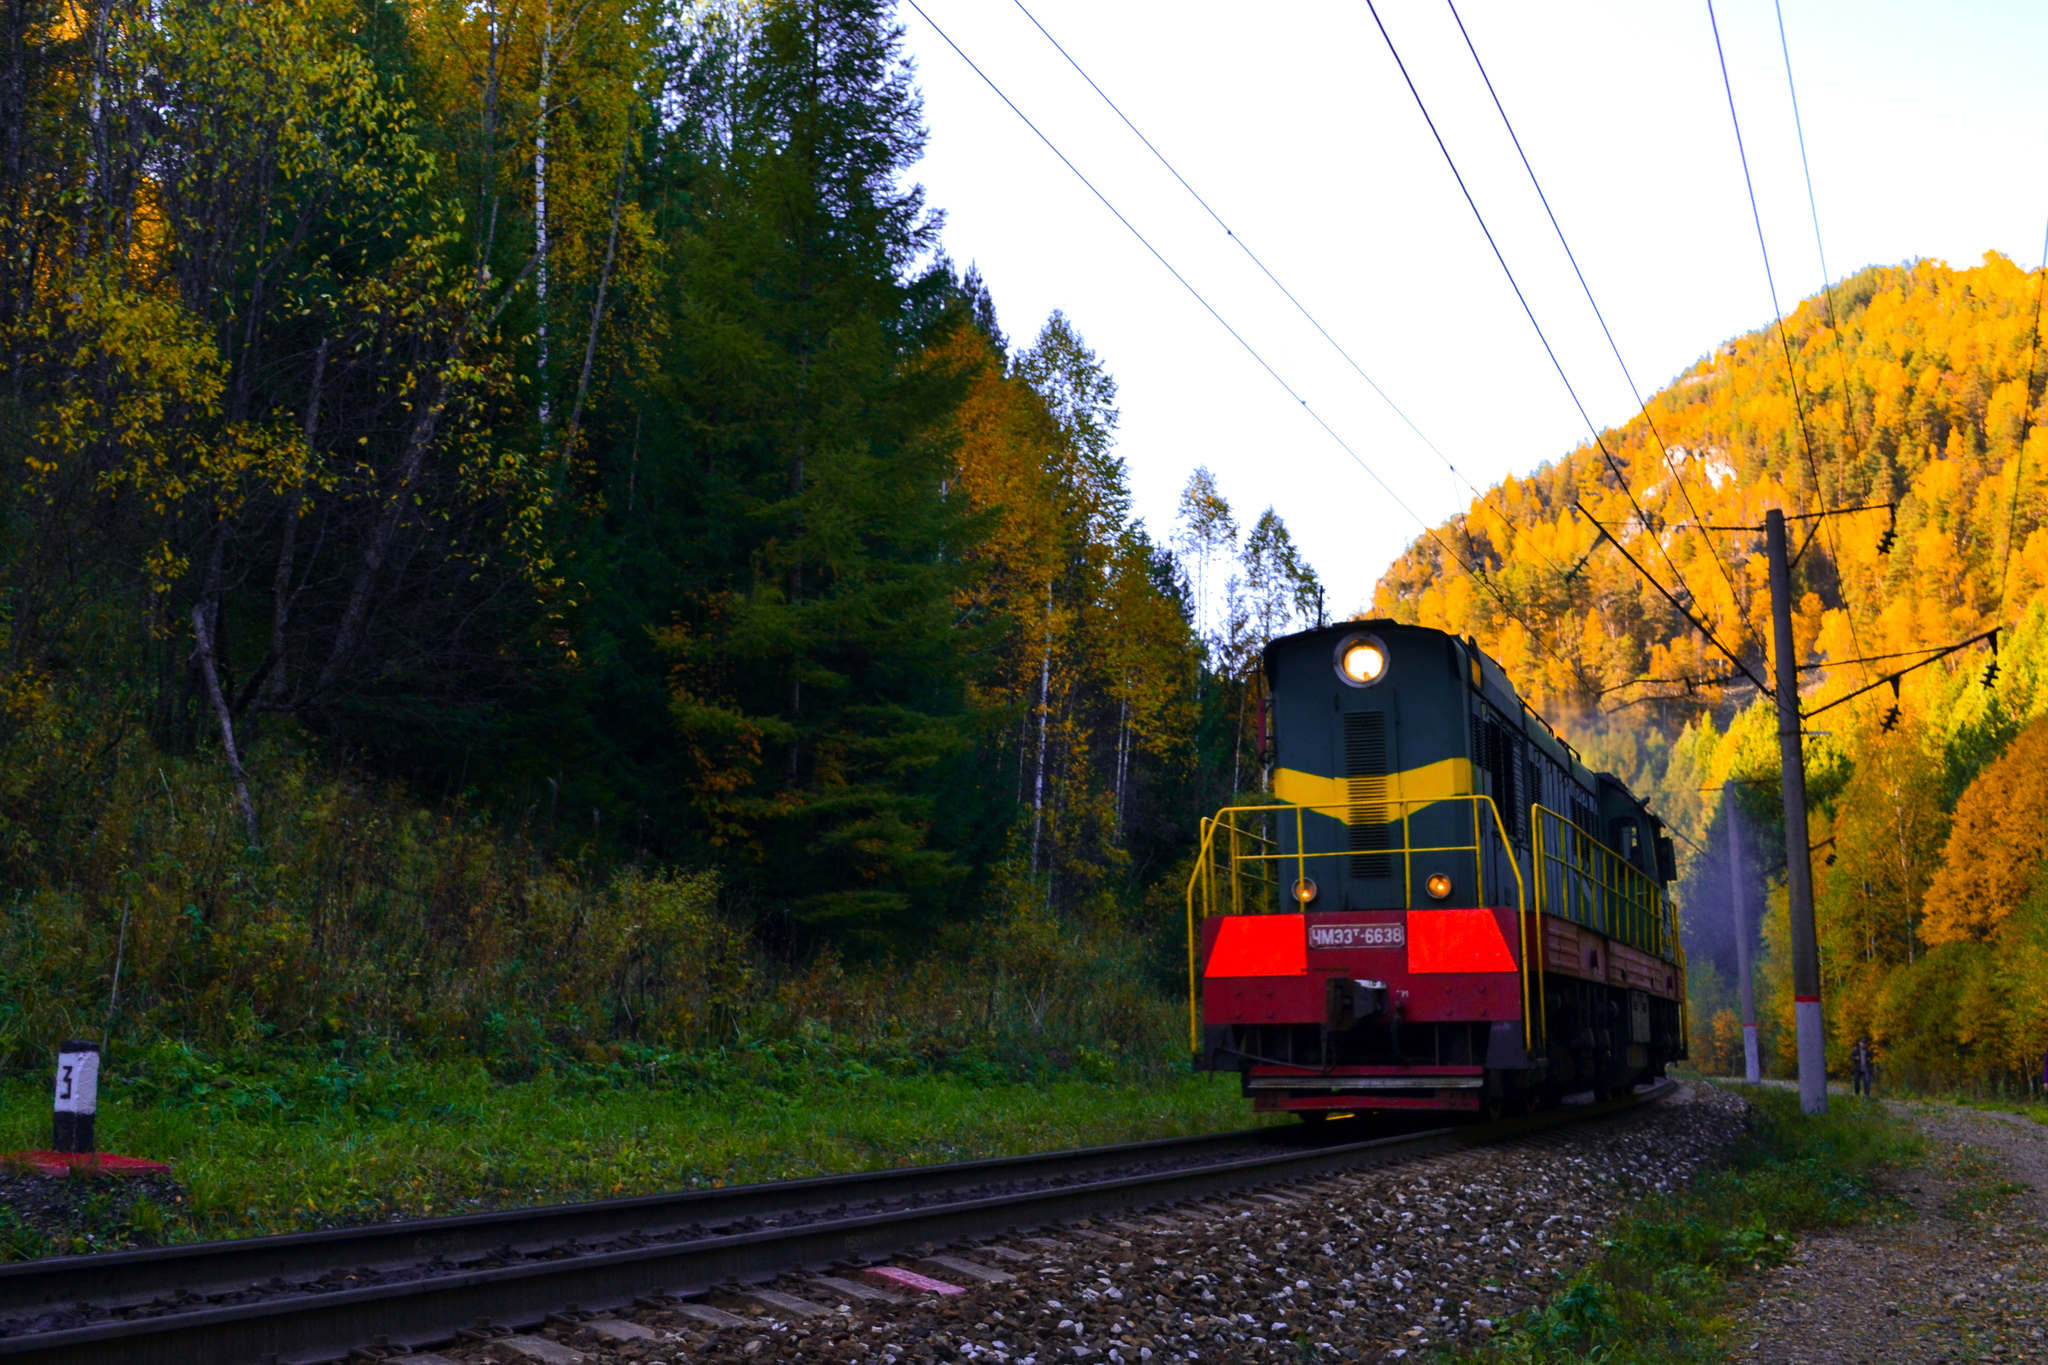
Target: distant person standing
x,y
1866,1067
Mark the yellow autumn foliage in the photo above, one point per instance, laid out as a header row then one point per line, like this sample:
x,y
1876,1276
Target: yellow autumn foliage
x,y
1928,793
1993,858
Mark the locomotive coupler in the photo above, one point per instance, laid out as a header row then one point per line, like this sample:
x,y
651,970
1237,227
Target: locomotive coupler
x,y
1348,1003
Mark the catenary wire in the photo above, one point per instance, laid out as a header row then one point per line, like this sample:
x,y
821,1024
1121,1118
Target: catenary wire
x,y
1677,474
1670,597
1251,255
1827,289
1642,517
1770,280
2012,517
1236,336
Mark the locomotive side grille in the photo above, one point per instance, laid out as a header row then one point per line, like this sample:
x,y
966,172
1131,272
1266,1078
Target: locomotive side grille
x,y
1496,750
1506,769
1365,782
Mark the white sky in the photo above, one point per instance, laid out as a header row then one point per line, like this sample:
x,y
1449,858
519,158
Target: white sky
x,y
1926,128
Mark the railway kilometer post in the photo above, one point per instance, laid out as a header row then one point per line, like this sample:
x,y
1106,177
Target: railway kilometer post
x,y
1806,1015
76,1097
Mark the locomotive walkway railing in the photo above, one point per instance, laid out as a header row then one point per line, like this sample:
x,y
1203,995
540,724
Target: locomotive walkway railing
x,y
1582,880
1241,869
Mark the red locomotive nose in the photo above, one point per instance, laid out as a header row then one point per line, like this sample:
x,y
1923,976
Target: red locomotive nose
x,y
1457,941
1260,945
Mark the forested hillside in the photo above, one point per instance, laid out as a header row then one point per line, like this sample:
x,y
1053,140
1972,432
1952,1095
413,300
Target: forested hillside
x,y
1915,386
522,538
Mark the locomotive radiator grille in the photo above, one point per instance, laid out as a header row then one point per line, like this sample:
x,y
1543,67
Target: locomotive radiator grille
x,y
1365,782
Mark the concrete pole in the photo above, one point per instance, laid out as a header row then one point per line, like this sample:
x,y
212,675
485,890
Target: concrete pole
x,y
1752,1064
1806,1016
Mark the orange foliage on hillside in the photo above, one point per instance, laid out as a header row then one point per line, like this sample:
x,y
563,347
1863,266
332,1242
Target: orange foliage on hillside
x,y
1993,858
1914,398
1933,929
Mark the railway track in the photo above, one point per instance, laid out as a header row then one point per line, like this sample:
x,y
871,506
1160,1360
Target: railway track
x,y
317,1296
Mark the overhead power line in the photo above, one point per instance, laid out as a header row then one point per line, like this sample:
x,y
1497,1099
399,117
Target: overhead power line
x,y
1249,349
1677,474
1937,655
1677,606
1827,290
1250,255
1643,517
1756,216
2012,517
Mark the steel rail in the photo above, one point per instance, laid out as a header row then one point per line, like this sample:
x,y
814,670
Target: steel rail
x,y
124,1278
326,1326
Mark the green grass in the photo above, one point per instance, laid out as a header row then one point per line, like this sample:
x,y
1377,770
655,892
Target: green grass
x,y
267,1146
1656,1293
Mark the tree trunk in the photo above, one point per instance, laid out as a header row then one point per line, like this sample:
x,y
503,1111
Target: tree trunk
x,y
604,280
281,585
209,672
540,207
1044,708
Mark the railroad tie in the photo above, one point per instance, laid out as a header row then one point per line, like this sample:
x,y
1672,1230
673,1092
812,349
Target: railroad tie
x,y
522,1347
789,1305
711,1317
619,1330
832,1285
1003,1253
964,1269
1099,1238
898,1278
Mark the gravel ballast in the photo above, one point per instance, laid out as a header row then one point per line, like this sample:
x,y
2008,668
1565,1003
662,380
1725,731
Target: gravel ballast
x,y
1376,1266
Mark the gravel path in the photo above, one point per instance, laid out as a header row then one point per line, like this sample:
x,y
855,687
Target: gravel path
x,y
1373,1266
1962,1281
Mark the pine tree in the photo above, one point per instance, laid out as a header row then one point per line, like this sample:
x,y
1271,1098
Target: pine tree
x,y
819,680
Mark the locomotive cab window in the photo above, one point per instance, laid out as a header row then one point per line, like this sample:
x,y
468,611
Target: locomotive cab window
x,y
1627,840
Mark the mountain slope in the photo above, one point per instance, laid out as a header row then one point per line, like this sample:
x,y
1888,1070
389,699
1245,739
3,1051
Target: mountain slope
x,y
1921,401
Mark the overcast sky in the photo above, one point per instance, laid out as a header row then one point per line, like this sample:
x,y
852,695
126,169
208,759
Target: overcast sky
x,y
1926,125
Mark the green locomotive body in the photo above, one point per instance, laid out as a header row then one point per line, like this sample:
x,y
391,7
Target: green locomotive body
x,y
1441,907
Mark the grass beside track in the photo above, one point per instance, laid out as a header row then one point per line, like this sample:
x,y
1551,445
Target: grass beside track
x,y
300,1147
1658,1291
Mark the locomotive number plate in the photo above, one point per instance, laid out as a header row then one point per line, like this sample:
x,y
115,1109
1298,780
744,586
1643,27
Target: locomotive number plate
x,y
1357,936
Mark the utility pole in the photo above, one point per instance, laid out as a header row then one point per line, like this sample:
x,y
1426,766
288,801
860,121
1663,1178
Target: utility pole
x,y
1752,1068
1806,1016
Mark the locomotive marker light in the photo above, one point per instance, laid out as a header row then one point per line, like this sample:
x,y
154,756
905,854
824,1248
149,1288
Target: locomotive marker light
x,y
1806,1015
1305,890
1438,886
76,1096
1361,660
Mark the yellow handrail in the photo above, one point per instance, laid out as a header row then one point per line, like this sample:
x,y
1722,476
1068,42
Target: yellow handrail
x,y
1261,868
1599,887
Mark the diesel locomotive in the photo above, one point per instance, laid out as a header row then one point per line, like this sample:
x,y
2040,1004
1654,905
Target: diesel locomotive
x,y
1439,907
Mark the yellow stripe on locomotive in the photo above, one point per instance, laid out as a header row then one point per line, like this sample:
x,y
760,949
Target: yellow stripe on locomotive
x,y
1441,907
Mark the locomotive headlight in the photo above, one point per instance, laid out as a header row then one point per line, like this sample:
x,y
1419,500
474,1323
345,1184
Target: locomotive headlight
x,y
1364,662
1361,660
1439,887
